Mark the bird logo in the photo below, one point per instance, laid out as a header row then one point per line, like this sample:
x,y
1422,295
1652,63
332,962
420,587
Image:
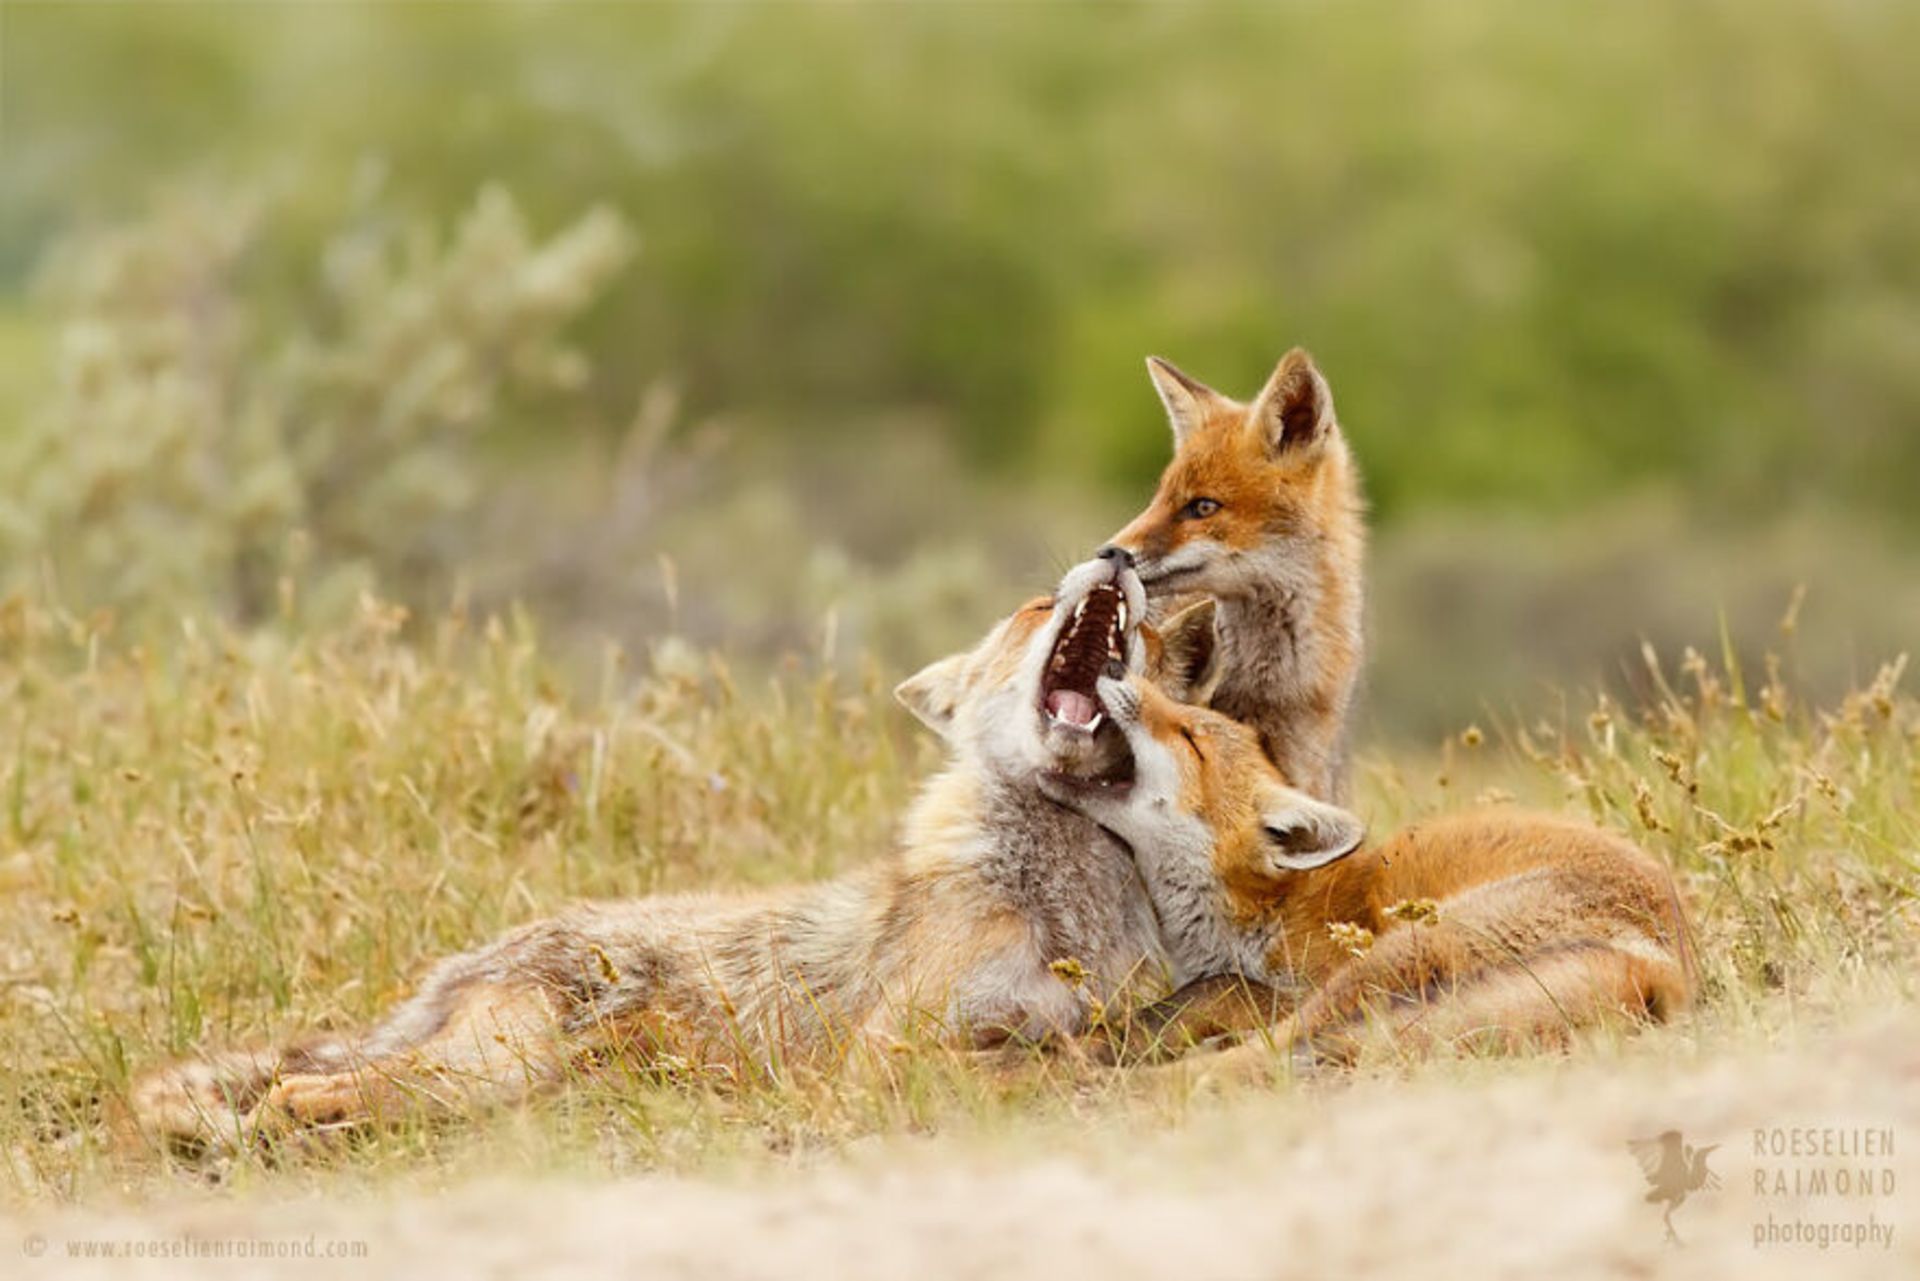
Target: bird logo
x,y
1675,1170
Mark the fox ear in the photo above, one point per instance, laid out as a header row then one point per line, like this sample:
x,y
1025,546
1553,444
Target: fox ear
x,y
1190,667
1303,833
933,693
1294,412
1184,397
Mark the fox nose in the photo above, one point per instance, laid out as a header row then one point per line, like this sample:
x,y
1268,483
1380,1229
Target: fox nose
x,y
1120,555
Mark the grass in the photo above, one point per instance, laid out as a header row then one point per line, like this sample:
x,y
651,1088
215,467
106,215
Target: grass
x,y
219,837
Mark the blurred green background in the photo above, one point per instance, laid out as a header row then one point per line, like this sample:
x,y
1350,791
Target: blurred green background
x,y
798,329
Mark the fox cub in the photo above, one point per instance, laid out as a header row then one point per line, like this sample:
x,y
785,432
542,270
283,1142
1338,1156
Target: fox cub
x,y
1261,510
1495,926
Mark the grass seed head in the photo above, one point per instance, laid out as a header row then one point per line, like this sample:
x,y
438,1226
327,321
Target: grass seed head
x,y
1355,940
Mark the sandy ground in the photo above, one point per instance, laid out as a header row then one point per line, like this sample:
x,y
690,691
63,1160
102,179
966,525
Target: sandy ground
x,y
1491,1171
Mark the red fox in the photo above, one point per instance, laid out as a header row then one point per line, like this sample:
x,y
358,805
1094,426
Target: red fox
x,y
1261,510
955,938
1500,925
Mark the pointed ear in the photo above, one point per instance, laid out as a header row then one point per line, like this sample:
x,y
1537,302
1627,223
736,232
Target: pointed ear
x,y
1303,833
1190,666
1294,412
1184,397
933,693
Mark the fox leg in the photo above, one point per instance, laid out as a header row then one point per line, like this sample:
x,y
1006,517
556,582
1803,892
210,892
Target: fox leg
x,y
1418,990
1411,996
200,1101
1199,1011
1404,968
1431,988
492,1042
487,1026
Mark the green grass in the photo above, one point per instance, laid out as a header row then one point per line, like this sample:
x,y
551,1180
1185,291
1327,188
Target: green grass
x,y
217,837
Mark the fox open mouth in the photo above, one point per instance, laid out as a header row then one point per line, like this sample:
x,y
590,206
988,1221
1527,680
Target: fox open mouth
x,y
1093,641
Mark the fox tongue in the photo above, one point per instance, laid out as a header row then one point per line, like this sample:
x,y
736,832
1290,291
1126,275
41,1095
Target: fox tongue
x,y
1072,707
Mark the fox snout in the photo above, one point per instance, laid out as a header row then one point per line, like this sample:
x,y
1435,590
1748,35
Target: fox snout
x,y
1140,544
1110,567
1121,698
1167,554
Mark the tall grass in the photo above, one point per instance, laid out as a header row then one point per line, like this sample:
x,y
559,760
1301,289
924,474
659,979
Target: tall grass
x,y
231,836
236,835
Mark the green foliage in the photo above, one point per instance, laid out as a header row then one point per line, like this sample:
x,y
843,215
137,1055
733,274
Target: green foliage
x,y
200,418
1543,251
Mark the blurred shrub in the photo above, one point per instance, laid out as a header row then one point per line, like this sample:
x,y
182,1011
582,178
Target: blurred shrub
x,y
1543,251
902,265
234,426
1477,616
200,418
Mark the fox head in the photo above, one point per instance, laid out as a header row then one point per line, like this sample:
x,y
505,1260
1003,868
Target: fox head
x,y
1210,820
1251,486
1025,697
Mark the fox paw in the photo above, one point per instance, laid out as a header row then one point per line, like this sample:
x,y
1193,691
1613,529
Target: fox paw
x,y
310,1101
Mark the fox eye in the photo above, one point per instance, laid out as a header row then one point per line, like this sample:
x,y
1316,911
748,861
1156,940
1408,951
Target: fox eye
x,y
1200,509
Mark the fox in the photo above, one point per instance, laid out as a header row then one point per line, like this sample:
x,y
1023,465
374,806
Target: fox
x,y
1498,928
1261,508
959,937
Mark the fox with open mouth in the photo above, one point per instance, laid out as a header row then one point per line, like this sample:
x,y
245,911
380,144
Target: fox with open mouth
x,y
960,937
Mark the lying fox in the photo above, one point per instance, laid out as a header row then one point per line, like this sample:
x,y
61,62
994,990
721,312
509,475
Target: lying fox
x,y
955,938
1506,927
1261,510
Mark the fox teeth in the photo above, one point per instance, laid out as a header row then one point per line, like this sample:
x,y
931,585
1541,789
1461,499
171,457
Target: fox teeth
x,y
1123,616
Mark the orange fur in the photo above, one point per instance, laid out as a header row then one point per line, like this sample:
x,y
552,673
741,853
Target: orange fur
x,y
1282,548
1494,926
